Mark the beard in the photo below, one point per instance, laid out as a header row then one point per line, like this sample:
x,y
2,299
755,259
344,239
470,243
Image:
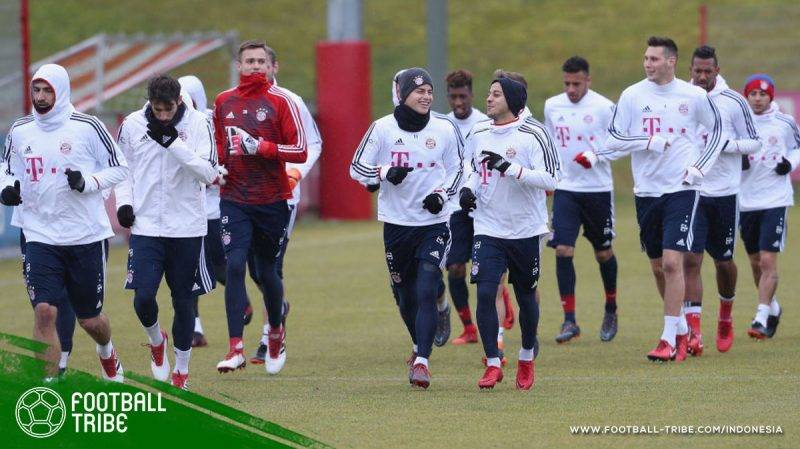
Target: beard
x,y
43,109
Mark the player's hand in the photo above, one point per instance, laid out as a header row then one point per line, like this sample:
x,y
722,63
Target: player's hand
x,y
294,176
691,176
396,175
495,162
657,144
240,142
783,167
433,203
467,200
125,216
745,162
162,134
75,180
587,159
10,195
222,172
372,188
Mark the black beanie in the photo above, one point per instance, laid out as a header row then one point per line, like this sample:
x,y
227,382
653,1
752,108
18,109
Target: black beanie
x,y
515,93
410,79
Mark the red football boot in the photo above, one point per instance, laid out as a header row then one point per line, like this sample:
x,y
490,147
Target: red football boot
x,y
664,352
724,335
490,378
525,374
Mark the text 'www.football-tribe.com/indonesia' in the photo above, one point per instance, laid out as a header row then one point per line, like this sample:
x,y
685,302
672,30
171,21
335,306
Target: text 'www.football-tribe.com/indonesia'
x,y
710,429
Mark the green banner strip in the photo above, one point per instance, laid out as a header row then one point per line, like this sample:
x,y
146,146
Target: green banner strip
x,y
24,343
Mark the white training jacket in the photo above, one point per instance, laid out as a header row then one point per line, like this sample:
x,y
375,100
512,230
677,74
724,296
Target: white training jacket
x,y
166,186
40,147
512,205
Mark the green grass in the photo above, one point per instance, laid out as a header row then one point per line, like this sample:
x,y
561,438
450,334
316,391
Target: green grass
x,y
345,379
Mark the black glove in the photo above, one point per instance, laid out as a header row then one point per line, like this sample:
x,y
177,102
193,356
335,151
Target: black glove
x,y
162,134
125,216
495,162
467,200
745,162
396,175
372,188
783,167
433,203
10,195
75,180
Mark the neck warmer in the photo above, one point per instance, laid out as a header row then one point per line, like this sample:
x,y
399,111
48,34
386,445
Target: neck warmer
x,y
409,119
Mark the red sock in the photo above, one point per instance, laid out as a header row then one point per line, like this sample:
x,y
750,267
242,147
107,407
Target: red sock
x,y
725,308
693,320
466,316
235,344
611,296
568,304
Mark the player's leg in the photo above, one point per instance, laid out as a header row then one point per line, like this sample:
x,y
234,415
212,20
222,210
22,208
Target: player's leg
x,y
692,264
566,225
85,282
261,352
505,310
597,219
237,233
45,314
442,333
461,230
489,262
146,259
430,254
182,255
215,259
524,276
65,328
723,219
771,240
399,246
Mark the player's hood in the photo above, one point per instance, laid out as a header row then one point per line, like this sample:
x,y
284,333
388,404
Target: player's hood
x,y
186,97
720,86
197,94
57,77
395,89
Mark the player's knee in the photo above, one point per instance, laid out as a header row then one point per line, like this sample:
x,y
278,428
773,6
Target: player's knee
x,y
457,271
671,267
768,265
725,266
90,325
45,315
603,255
565,251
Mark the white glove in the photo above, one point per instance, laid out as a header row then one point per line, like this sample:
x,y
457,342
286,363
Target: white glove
x,y
240,142
692,176
222,173
658,144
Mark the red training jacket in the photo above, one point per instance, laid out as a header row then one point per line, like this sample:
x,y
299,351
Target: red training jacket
x,y
264,112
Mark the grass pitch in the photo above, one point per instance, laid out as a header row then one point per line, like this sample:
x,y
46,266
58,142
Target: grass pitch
x,y
345,378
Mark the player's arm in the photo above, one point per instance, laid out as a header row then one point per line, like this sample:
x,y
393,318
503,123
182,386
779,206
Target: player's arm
x,y
123,191
545,171
793,153
298,171
365,168
708,116
220,137
744,124
106,152
453,165
472,173
202,160
621,140
10,193
293,149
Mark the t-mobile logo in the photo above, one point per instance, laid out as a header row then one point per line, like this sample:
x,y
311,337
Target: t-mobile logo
x,y
35,168
486,173
562,134
400,158
651,125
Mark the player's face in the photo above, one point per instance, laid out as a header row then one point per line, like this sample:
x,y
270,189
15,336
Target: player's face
x,y
704,73
759,101
460,99
496,105
576,85
253,60
43,96
658,67
164,111
420,99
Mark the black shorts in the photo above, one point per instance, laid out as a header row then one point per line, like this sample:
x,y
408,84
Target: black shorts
x,y
257,228
715,226
592,210
764,230
492,256
461,234
407,245
180,260
666,221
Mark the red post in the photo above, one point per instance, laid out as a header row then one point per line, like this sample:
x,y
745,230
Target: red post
x,y
343,115
702,17
24,32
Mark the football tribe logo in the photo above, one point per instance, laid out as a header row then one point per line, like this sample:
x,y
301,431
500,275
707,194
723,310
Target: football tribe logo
x,y
40,412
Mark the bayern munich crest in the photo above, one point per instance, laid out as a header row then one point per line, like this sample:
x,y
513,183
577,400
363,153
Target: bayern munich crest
x,y
430,143
511,152
772,140
182,135
261,114
418,80
683,108
588,119
66,148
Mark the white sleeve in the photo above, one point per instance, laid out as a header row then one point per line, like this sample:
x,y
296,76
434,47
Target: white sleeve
x,y
620,139
453,159
544,156
793,144
708,116
473,173
744,124
547,123
108,156
365,168
202,160
123,191
11,166
313,140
